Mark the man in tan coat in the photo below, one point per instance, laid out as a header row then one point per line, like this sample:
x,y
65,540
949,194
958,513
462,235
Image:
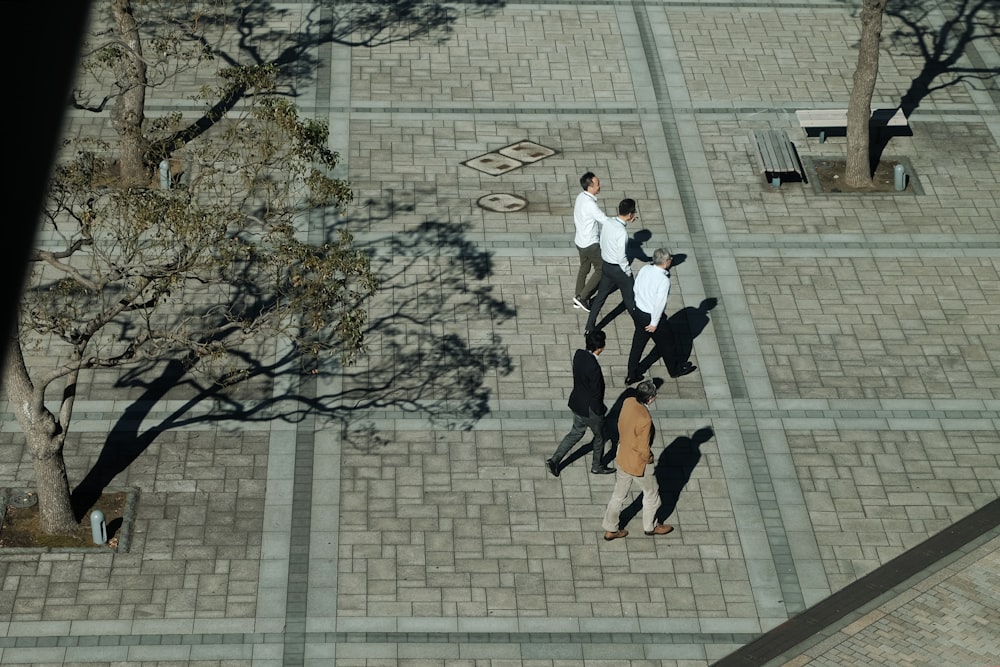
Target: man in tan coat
x,y
635,464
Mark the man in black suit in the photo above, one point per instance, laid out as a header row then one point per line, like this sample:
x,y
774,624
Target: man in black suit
x,y
587,403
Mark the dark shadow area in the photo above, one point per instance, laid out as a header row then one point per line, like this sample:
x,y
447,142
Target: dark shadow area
x,y
613,313
634,249
290,50
47,83
947,51
674,467
673,471
416,365
686,325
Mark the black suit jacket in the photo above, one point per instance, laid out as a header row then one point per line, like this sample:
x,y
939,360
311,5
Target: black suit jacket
x,y
588,385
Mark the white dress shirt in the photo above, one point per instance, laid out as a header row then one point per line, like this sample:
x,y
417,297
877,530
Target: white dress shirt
x,y
586,215
614,239
652,289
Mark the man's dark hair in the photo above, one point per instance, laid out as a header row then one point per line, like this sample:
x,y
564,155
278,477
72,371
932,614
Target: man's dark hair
x,y
644,391
595,339
587,180
626,207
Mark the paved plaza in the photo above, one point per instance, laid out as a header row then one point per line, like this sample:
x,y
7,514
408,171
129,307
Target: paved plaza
x,y
399,512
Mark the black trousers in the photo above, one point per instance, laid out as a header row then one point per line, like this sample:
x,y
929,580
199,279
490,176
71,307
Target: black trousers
x,y
663,339
612,278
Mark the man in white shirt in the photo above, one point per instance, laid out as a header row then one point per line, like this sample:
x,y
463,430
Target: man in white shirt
x,y
652,290
617,268
587,216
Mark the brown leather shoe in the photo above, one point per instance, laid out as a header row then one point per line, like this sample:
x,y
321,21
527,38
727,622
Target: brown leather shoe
x,y
614,536
659,529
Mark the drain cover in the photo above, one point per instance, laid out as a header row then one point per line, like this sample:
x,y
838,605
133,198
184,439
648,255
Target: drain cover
x,y
502,203
493,164
527,151
22,500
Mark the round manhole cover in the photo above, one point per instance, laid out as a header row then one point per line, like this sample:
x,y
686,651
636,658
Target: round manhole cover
x,y
21,500
502,203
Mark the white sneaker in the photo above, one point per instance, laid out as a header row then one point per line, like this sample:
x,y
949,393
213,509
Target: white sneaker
x,y
581,304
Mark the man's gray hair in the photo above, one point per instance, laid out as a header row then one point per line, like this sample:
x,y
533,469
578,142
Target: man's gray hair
x,y
644,391
660,255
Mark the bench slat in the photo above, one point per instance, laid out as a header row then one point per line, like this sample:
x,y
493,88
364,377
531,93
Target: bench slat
x,y
838,117
775,154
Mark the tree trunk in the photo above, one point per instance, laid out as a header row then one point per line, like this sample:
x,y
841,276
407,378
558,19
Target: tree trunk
x,y
45,439
859,168
128,112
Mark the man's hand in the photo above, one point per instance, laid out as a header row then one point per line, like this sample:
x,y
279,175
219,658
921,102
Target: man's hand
x,y
650,328
651,458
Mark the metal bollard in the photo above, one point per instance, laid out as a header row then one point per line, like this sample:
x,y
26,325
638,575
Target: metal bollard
x,y
899,176
98,529
164,175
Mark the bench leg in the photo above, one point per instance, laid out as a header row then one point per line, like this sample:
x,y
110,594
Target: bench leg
x,y
822,136
776,181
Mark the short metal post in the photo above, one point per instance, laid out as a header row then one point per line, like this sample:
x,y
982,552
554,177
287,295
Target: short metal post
x,y
98,529
899,177
164,175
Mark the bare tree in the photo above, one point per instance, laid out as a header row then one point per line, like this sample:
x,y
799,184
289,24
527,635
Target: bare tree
x,y
858,171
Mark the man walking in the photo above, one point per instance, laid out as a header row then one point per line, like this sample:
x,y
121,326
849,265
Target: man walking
x,y
635,464
616,272
587,403
652,290
587,215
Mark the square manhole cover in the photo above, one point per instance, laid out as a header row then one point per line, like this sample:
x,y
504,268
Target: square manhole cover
x,y
527,151
493,164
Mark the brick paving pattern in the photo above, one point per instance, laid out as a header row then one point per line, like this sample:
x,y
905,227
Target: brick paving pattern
x,y
848,371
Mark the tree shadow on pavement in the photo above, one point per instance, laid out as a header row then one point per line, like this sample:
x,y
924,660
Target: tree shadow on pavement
x,y
424,357
292,48
943,35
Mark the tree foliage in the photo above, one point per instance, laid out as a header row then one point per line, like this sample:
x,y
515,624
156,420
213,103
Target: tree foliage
x,y
215,264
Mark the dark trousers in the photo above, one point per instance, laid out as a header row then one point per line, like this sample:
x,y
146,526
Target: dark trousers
x,y
590,260
595,423
663,339
613,278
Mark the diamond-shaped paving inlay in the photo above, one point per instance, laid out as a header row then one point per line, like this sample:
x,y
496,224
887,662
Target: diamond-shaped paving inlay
x,y
502,202
493,164
527,151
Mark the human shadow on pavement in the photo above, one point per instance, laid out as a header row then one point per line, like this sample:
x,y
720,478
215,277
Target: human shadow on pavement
x,y
673,471
686,325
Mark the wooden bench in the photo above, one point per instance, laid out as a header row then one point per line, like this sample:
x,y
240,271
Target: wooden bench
x,y
831,119
776,155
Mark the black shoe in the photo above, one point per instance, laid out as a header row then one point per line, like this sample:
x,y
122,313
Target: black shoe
x,y
686,370
601,470
631,380
553,468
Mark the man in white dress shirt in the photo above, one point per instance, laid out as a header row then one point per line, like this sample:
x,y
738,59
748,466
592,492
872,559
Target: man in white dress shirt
x,y
652,290
617,267
587,218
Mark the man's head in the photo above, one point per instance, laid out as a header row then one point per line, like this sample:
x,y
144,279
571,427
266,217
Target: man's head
x,y
645,392
626,209
590,183
662,258
595,340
